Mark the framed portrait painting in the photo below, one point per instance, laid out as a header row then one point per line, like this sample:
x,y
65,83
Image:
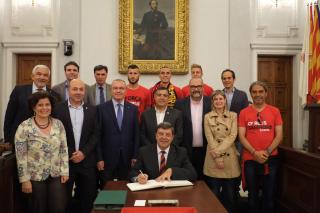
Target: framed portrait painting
x,y
153,34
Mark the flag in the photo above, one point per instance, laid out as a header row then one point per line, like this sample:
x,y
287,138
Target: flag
x,y
304,60
314,58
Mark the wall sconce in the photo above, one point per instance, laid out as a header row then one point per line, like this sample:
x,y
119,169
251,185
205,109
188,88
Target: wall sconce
x,y
68,44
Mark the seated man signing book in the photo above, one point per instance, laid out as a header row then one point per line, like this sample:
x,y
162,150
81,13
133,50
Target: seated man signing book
x,y
164,160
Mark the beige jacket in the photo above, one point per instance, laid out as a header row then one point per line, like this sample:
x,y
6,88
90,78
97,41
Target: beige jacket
x,y
221,133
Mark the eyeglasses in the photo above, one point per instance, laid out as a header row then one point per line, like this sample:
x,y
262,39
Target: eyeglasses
x,y
195,87
259,118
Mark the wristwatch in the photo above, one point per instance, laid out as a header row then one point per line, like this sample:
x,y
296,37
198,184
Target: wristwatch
x,y
269,150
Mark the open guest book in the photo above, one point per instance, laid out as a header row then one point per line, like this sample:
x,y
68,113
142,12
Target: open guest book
x,y
151,184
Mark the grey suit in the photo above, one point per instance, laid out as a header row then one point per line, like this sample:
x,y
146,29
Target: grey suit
x,y
149,125
60,89
92,93
177,160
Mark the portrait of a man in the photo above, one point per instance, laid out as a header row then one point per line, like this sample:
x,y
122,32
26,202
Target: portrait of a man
x,y
154,30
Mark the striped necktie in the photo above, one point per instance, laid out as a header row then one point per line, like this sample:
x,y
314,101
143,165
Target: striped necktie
x,y
162,162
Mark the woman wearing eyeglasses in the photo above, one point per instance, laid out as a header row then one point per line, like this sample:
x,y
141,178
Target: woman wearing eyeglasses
x,y
42,157
221,164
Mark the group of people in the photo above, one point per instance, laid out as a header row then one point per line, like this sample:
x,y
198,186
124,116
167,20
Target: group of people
x,y
71,139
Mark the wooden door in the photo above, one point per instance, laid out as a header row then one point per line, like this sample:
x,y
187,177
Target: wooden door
x,y
276,71
25,64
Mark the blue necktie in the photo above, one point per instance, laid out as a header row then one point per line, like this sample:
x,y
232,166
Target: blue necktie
x,y
101,95
119,116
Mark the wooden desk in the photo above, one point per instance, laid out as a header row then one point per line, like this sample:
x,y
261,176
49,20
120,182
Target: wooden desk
x,y
198,196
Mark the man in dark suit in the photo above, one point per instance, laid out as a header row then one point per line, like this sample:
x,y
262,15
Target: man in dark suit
x,y
193,109
71,71
17,109
163,160
100,92
158,114
119,141
80,122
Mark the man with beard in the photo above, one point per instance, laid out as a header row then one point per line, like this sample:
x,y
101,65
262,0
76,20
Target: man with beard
x,y
193,109
137,94
260,132
175,92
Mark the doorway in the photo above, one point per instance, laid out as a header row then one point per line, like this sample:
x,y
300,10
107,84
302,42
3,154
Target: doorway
x,y
276,72
25,64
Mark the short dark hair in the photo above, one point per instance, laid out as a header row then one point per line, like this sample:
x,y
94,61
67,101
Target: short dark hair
x,y
71,63
260,83
100,67
165,125
159,89
34,98
228,70
133,66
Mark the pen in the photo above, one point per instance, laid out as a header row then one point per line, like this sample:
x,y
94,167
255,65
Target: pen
x,y
141,173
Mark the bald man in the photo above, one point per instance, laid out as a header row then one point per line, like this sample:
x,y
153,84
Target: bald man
x,y
79,120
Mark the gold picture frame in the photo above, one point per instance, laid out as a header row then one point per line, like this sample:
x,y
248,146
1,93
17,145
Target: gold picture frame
x,y
148,48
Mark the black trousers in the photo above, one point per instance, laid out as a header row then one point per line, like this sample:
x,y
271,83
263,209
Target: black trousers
x,y
85,190
197,160
48,196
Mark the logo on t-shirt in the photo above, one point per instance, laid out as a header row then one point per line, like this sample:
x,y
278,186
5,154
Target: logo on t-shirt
x,y
136,100
263,126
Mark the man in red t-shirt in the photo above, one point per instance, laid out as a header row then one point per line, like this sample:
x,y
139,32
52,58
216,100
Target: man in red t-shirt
x,y
137,94
175,92
196,72
260,132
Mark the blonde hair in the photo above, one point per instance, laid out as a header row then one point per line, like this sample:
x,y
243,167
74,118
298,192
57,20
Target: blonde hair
x,y
215,93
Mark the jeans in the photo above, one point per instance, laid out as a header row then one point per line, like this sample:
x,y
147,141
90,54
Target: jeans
x,y
255,178
223,188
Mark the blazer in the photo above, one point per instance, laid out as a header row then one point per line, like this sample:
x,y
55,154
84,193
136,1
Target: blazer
x,y
92,93
221,134
60,89
239,101
177,160
149,125
18,109
184,106
114,140
89,134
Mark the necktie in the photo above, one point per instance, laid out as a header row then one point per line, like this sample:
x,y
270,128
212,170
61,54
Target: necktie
x,y
119,115
162,162
101,95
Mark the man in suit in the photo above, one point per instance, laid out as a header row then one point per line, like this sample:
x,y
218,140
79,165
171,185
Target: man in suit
x,y
100,92
17,109
175,92
80,123
119,141
194,109
196,72
71,71
158,114
163,160
236,99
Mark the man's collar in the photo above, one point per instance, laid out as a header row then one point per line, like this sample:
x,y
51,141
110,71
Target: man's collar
x,y
159,150
75,107
116,102
196,102
35,88
157,110
230,90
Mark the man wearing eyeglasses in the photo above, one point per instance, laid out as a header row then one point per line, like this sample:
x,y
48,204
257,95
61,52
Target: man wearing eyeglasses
x,y
260,132
193,109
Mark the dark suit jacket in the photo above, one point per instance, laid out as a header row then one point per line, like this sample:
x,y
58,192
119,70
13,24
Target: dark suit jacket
x,y
149,125
239,101
113,139
89,134
18,110
184,106
177,160
60,89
